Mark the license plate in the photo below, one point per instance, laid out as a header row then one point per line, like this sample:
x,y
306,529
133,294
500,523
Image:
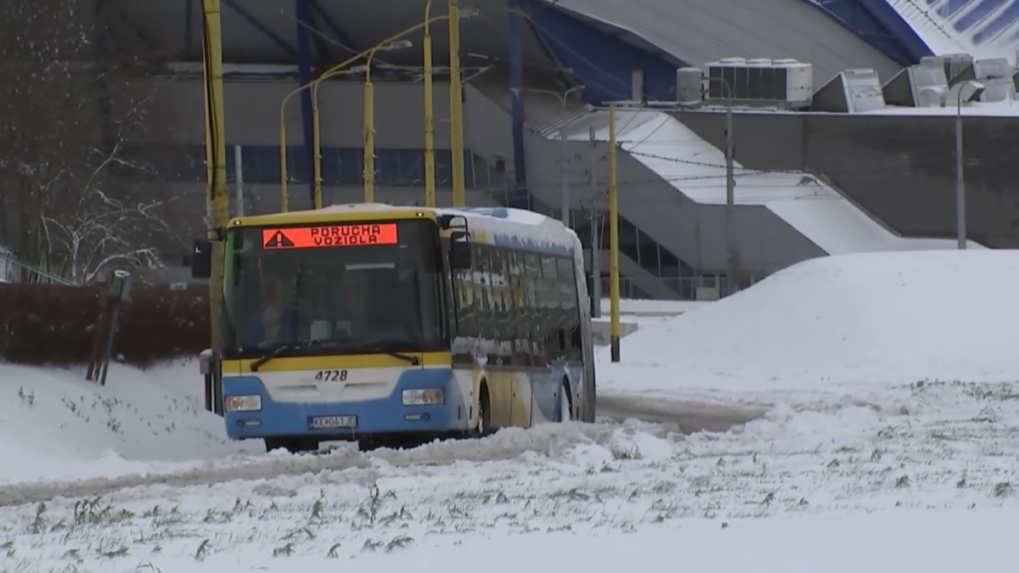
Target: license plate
x,y
331,422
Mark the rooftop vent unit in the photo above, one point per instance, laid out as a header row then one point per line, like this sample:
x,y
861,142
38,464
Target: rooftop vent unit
x,y
922,85
851,91
995,74
689,86
760,82
954,64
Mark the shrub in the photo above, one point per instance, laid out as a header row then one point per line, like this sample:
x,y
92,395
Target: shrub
x,y
54,324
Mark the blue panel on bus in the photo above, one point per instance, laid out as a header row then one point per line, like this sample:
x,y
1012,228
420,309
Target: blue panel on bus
x,y
385,415
545,390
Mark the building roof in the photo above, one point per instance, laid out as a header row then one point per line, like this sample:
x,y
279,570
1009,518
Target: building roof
x,y
983,29
597,43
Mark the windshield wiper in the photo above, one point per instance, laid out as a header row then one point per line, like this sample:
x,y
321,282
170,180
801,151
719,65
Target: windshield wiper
x,y
379,347
272,354
412,359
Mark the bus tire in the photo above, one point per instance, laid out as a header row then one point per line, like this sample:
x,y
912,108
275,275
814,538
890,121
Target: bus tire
x,y
566,403
292,445
484,412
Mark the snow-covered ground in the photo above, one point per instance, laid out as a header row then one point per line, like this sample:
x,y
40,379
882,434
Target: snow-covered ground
x,y
64,427
864,413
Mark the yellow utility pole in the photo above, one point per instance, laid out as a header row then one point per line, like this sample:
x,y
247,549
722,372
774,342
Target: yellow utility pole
x,y
316,171
369,131
218,198
429,112
613,238
338,69
456,105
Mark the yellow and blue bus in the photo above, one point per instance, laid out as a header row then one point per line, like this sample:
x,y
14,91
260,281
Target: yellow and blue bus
x,y
393,326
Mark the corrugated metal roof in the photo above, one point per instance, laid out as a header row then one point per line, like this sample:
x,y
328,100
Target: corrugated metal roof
x,y
700,31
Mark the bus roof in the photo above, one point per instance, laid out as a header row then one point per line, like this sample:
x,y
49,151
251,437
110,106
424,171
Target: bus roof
x,y
499,226
516,228
334,214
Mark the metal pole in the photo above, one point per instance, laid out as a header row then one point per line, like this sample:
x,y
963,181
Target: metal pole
x,y
456,105
595,232
369,143
369,131
730,199
239,177
960,183
564,169
316,139
429,112
218,204
108,351
613,237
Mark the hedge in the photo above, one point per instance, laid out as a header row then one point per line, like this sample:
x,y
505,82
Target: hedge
x,y
55,325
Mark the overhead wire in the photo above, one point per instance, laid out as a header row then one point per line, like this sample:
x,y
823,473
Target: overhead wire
x,y
614,86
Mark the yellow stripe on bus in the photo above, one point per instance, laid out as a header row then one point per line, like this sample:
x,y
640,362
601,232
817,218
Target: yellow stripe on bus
x,y
299,363
324,217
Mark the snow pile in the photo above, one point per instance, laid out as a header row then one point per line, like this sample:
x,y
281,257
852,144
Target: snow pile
x,y
888,318
58,425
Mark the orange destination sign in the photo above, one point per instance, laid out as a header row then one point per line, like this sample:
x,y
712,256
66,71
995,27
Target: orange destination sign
x,y
331,236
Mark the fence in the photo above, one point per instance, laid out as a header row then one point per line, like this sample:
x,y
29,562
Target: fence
x,y
11,268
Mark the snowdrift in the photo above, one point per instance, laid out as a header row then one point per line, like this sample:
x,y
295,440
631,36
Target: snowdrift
x,y
55,424
852,319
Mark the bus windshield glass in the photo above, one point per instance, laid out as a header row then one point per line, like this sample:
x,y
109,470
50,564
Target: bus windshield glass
x,y
342,288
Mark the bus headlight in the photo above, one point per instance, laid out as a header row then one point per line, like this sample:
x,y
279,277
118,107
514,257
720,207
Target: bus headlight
x,y
243,403
423,397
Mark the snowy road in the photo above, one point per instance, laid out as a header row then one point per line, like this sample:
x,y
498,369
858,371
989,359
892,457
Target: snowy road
x,y
660,418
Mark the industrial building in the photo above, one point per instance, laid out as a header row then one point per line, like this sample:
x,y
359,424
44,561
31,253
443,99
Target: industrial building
x,y
535,72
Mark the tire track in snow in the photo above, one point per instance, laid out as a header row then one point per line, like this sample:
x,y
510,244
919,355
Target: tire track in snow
x,y
549,440
688,417
508,444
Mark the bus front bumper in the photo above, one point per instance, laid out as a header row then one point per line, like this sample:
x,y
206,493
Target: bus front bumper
x,y
349,420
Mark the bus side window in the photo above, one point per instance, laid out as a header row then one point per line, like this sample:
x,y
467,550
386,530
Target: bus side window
x,y
532,313
551,319
577,344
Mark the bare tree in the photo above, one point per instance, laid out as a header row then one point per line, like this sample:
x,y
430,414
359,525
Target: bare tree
x,y
78,192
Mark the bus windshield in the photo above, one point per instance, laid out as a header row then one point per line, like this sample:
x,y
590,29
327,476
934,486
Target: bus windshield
x,y
334,289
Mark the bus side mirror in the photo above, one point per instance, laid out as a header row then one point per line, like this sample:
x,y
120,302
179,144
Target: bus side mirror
x,y
201,260
459,251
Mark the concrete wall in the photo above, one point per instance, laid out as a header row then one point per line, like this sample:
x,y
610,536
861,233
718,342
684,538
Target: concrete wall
x,y
252,118
264,199
252,114
900,169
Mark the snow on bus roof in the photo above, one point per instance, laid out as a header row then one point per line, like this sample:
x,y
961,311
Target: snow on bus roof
x,y
503,226
506,227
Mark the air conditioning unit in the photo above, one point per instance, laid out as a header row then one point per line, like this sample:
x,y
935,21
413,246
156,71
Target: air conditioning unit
x,y
994,73
953,64
852,91
759,81
689,86
923,85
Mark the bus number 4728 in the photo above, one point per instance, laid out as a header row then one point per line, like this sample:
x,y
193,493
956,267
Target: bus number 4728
x,y
331,376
